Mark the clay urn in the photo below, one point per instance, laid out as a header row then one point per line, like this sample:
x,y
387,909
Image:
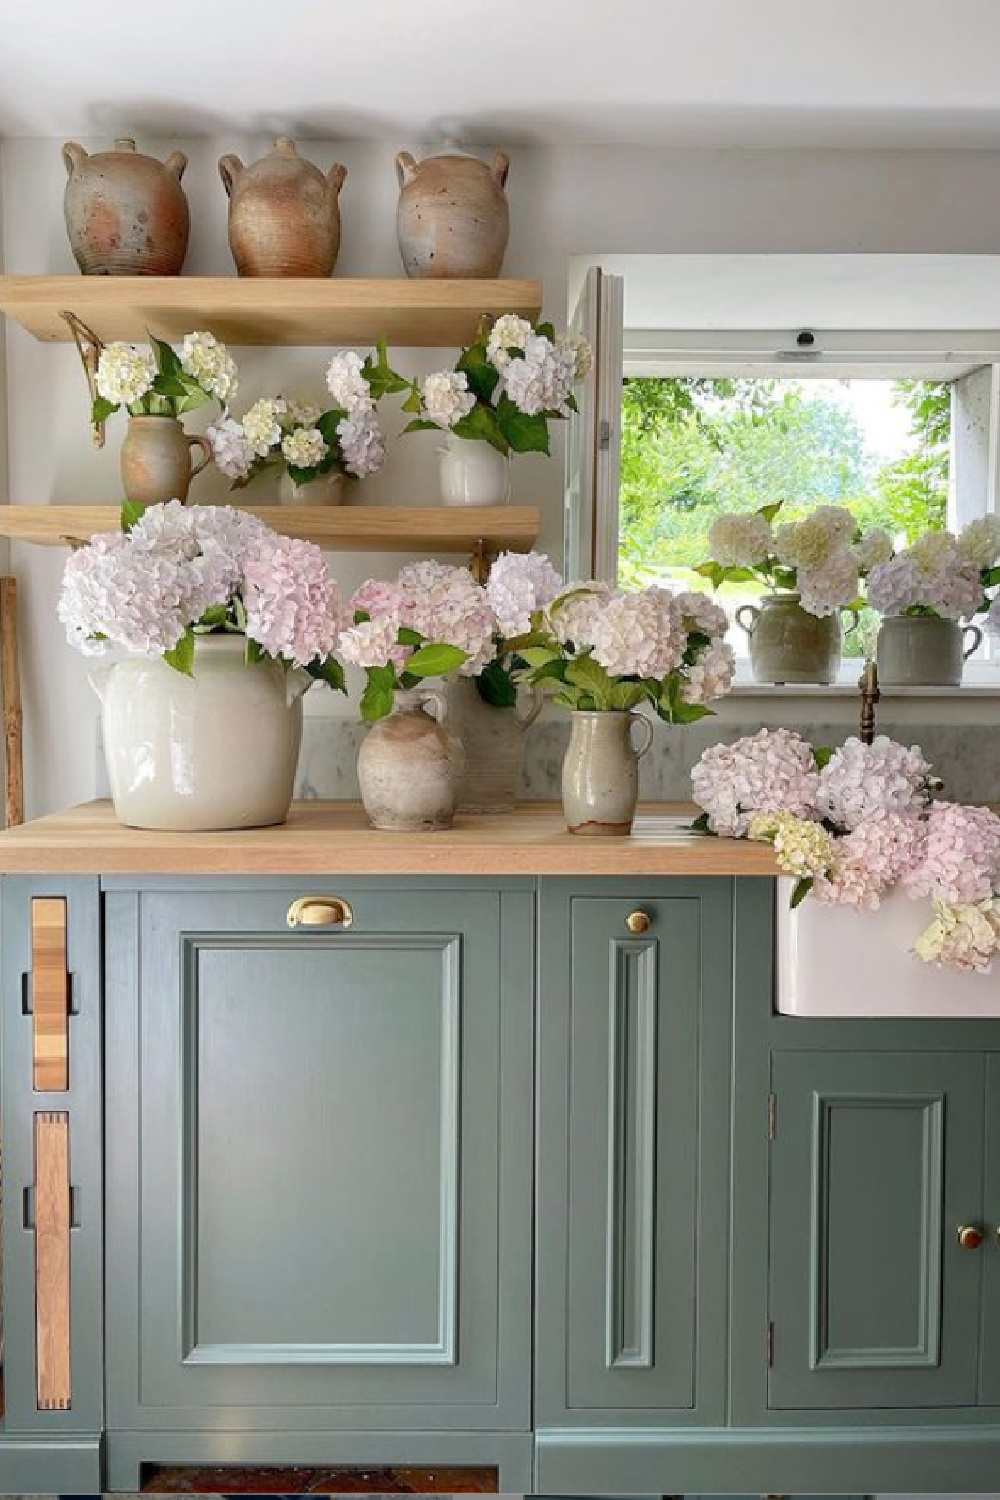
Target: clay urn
x,y
126,214
284,215
453,218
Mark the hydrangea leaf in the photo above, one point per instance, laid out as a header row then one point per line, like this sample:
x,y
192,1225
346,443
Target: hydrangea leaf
x,y
481,375
436,660
329,671
377,698
481,425
132,512
522,433
801,891
181,656
496,686
101,410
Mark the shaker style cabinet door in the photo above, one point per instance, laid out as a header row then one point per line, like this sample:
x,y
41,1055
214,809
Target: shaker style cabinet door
x,y
328,1220
989,1394
876,1165
634,1006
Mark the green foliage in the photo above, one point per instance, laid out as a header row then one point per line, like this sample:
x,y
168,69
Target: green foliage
x,y
181,656
435,660
330,672
693,449
132,512
496,685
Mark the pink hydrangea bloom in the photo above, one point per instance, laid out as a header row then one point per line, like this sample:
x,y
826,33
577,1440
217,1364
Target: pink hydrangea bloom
x,y
860,781
961,862
870,860
519,584
772,771
293,606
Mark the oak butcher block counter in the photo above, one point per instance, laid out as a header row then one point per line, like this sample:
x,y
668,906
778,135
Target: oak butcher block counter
x,y
321,837
324,1146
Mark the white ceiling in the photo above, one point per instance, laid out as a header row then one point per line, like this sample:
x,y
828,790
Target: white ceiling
x,y
714,73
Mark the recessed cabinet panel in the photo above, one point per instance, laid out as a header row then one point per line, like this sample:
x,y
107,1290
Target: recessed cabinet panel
x,y
877,1160
989,1394
321,1212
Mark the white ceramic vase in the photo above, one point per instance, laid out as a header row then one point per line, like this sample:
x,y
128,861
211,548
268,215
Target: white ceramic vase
x,y
216,750
325,489
493,741
409,766
924,651
473,473
600,776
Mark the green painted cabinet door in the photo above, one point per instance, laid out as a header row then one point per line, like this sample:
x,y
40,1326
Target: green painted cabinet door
x,y
989,1393
631,1257
327,1220
877,1159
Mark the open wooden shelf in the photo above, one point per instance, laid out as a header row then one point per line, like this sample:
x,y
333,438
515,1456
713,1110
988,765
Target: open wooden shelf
x,y
338,528
312,312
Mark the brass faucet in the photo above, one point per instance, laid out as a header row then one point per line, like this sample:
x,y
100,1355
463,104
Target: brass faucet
x,y
870,695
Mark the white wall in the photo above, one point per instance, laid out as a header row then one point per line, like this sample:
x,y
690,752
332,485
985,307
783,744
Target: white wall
x,y
563,202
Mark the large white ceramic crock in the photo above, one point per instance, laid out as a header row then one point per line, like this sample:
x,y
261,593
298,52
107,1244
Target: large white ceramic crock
x,y
473,473
216,750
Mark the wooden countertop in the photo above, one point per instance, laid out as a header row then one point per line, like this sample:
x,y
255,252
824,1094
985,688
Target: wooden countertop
x,y
334,838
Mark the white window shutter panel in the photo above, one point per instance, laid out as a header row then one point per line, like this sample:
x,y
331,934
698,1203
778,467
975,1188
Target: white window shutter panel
x,y
593,446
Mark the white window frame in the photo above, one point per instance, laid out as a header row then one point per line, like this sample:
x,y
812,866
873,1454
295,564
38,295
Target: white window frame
x,y
768,354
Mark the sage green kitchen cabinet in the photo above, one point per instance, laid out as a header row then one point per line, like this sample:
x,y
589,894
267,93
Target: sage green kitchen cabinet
x,y
990,1325
320,1173
635,997
876,1163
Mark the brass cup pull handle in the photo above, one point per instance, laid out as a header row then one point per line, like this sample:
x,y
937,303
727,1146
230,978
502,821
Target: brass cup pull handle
x,y
320,911
970,1236
638,921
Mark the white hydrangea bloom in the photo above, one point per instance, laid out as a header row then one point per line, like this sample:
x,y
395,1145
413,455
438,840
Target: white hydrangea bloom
x,y
362,444
347,384
583,355
827,589
304,448
519,584
711,675
446,604
304,413
210,363
934,550
262,424
373,643
979,543
803,544
956,591
124,374
740,541
540,380
573,610
230,450
508,332
894,586
773,771
963,937
702,614
446,397
837,521
875,546
638,634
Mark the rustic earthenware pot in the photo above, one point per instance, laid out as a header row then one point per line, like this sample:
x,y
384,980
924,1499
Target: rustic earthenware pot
x,y
126,214
600,775
173,743
788,644
409,766
493,741
453,219
284,214
923,651
156,460
325,489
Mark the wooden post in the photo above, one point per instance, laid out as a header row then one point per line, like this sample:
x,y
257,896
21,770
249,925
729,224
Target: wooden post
x,y
52,1263
10,695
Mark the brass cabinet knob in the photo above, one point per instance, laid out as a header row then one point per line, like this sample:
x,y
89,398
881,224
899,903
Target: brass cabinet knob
x,y
970,1236
638,921
320,911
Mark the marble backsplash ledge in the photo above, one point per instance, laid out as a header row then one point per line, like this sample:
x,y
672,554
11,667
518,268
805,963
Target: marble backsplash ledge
x,y
965,756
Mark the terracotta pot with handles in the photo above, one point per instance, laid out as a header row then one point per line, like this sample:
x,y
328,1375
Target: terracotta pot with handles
x,y
126,214
284,213
157,460
453,219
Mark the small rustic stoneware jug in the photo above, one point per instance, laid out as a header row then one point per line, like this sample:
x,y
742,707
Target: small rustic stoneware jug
x,y
600,775
453,219
175,745
284,214
126,214
409,766
156,460
325,489
923,651
788,644
493,741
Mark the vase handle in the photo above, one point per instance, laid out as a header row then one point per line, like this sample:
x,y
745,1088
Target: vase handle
x,y
535,706
647,725
433,703
753,612
855,623
199,442
297,683
977,640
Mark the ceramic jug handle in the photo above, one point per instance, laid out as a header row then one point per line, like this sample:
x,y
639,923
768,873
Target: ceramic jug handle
x,y
203,444
647,725
535,707
977,640
73,156
175,163
500,168
406,168
753,612
856,622
434,703
336,177
230,168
